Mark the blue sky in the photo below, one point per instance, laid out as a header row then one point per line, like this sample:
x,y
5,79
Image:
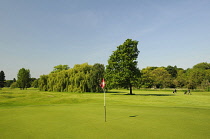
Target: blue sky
x,y
40,34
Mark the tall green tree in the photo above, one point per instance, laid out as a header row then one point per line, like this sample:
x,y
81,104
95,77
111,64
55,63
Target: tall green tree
x,y
2,79
23,78
122,70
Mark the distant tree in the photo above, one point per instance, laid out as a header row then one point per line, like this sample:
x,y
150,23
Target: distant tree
x,y
81,78
147,80
161,77
14,85
59,68
207,75
43,85
8,83
35,83
195,77
2,79
204,66
31,82
172,70
96,74
122,70
79,82
23,78
205,85
181,78
198,76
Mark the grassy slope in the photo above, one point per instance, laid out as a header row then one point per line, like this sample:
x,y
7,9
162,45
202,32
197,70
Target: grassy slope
x,y
148,114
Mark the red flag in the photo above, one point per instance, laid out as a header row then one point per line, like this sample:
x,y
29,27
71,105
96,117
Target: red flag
x,y
102,84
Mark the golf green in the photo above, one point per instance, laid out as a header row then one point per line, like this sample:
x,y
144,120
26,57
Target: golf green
x,y
148,114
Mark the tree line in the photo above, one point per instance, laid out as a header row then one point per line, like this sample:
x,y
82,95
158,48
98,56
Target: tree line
x,y
197,77
121,72
80,78
87,78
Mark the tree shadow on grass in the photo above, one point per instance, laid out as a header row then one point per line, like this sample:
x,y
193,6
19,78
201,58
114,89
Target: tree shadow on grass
x,y
115,92
147,94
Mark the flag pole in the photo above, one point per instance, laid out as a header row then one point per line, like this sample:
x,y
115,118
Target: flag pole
x,y
102,86
104,106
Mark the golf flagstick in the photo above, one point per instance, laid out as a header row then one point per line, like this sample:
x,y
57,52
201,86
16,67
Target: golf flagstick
x,y
104,106
102,86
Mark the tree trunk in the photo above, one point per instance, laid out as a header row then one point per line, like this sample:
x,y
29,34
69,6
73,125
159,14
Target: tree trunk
x,y
131,89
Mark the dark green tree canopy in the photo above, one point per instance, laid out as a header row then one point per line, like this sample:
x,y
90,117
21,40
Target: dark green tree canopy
x,y
96,75
2,79
23,78
122,70
172,70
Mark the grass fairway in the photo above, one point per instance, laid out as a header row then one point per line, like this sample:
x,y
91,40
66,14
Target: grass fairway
x,y
147,114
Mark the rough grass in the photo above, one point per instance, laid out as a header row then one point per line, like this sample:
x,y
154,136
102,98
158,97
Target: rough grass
x,y
147,114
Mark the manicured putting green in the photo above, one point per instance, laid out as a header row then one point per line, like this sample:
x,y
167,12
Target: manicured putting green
x,y
148,114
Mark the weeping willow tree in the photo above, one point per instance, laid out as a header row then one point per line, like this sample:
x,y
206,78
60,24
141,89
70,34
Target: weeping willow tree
x,y
80,78
43,83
